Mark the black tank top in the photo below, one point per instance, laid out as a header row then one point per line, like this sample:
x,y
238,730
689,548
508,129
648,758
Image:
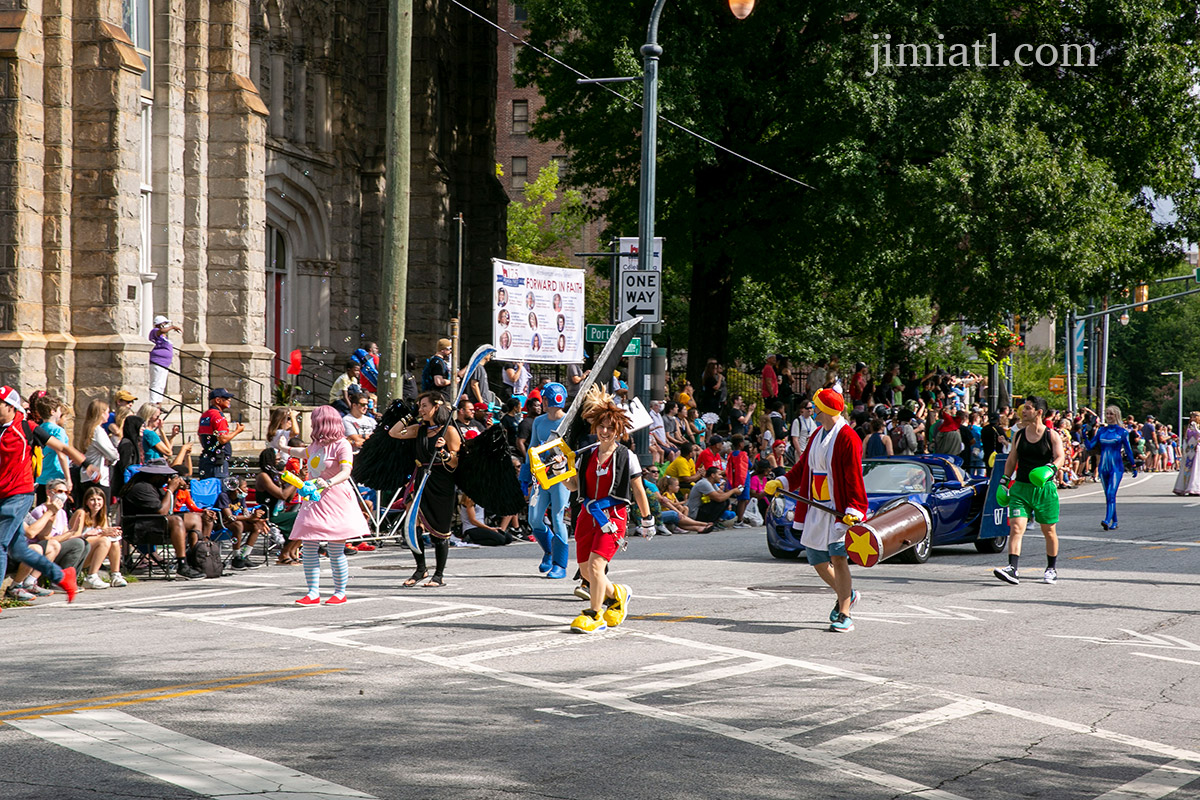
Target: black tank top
x,y
1031,455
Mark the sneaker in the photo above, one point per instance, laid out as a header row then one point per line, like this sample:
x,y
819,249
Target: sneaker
x,y
833,615
588,622
38,591
188,573
238,563
68,583
843,624
1050,576
662,530
20,593
582,592
118,580
618,607
740,524
93,582
349,550
252,564
1007,574
309,600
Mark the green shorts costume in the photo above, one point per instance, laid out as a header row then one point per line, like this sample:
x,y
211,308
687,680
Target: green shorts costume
x,y
1039,503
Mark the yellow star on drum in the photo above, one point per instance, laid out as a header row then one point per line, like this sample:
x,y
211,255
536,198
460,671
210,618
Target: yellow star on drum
x,y
862,547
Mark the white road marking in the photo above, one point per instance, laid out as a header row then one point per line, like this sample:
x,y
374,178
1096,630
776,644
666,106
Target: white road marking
x,y
1133,482
694,678
1159,783
653,669
861,740
920,613
1167,658
1142,542
982,610
198,766
893,783
1138,640
186,595
848,709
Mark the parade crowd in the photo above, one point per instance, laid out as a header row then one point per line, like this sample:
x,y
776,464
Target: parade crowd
x,y
132,482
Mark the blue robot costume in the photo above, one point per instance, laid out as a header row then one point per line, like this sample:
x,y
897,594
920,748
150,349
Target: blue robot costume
x,y
556,551
1113,441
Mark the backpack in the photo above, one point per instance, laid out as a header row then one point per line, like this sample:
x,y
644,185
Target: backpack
x,y
427,375
899,445
205,555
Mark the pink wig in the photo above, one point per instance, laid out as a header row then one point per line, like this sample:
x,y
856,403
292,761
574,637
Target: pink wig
x,y
327,425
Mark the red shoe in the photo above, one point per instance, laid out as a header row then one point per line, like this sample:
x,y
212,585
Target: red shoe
x,y
365,548
308,601
336,600
68,583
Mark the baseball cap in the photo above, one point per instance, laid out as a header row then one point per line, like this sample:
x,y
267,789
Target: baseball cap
x,y
443,344
215,393
161,320
9,395
126,395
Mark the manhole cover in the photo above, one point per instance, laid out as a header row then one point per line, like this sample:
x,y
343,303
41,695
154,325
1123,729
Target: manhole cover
x,y
790,588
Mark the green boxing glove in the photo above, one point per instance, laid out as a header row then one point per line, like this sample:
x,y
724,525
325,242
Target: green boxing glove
x,y
1042,475
1002,494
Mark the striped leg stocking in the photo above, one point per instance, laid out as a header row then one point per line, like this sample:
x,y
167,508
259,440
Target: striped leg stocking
x,y
312,567
341,572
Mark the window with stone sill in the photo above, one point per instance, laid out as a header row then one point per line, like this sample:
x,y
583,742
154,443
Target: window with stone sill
x,y
520,14
520,171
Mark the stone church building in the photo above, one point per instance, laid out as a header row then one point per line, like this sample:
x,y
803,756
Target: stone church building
x,y
222,162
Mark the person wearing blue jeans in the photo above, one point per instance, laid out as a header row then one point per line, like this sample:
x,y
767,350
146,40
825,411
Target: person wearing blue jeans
x,y
553,537
17,439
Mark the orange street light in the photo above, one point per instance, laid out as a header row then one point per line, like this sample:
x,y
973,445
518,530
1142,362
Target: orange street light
x,y
741,8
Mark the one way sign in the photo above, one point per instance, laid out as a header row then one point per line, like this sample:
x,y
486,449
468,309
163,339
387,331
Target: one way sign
x,y
641,296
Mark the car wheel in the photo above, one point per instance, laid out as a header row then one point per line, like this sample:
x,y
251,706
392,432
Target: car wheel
x,y
997,544
787,555
920,553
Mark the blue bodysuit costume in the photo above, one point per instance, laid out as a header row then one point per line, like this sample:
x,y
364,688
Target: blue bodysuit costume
x,y
1113,441
556,550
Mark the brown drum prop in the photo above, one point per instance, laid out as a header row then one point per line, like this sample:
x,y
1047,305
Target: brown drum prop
x,y
893,531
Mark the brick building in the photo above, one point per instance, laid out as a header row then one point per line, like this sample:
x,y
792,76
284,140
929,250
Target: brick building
x,y
222,162
520,156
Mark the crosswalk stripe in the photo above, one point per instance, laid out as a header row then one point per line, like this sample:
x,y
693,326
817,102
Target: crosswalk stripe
x,y
198,766
1153,785
870,737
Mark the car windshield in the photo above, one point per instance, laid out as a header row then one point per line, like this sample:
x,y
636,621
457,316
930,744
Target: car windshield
x,y
896,477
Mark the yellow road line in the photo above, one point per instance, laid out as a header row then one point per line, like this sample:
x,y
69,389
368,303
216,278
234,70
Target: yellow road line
x,y
1179,549
1078,558
156,690
1110,558
178,694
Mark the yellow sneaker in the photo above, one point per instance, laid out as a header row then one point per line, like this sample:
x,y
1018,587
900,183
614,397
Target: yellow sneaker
x,y
618,607
588,622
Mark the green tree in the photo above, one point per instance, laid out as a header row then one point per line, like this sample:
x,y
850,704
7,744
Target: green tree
x,y
981,190
537,236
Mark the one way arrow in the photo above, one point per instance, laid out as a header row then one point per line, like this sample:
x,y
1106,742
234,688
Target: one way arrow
x,y
639,312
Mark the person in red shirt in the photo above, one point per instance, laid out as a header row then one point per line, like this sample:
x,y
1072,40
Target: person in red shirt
x,y
770,380
711,456
738,473
17,440
608,480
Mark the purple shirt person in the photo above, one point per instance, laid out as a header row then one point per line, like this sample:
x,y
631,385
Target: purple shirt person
x,y
161,356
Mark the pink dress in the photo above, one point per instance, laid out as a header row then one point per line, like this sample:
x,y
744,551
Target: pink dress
x,y
337,516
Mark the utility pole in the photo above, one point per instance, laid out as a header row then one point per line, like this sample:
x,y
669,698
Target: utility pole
x,y
456,312
394,278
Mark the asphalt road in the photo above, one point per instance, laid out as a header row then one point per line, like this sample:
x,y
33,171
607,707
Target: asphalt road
x,y
724,682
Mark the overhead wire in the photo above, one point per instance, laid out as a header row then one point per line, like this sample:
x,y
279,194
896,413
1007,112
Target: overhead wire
x,y
631,100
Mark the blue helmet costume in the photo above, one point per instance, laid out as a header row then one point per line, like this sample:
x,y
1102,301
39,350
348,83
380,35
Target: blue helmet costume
x,y
554,395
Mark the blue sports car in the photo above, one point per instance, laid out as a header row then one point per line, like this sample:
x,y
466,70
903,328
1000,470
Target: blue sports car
x,y
954,499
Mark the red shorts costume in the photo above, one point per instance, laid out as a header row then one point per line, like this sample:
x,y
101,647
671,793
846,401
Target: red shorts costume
x,y
588,536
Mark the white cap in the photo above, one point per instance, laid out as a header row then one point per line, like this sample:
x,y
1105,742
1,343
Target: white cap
x,y
161,320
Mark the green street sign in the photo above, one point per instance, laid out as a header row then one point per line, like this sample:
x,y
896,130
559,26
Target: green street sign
x,y
599,334
1196,274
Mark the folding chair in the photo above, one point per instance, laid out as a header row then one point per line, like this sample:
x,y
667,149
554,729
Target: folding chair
x,y
204,493
143,533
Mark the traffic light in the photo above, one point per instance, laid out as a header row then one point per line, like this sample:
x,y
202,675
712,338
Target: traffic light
x,y
1141,293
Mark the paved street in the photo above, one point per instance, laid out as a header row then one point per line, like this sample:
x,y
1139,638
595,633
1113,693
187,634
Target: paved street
x,y
723,683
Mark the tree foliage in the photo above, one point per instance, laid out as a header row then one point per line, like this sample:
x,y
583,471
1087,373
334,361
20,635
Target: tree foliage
x,y
980,190
537,236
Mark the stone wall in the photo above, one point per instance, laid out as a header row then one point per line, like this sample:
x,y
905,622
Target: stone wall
x,y
266,116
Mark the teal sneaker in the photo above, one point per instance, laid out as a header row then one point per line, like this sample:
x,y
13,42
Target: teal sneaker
x,y
833,615
843,624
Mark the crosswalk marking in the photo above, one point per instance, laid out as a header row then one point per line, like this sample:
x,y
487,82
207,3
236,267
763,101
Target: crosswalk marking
x,y
860,740
193,764
720,673
1153,785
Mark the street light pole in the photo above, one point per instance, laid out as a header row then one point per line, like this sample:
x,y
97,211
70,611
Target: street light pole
x,y
651,52
1179,430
